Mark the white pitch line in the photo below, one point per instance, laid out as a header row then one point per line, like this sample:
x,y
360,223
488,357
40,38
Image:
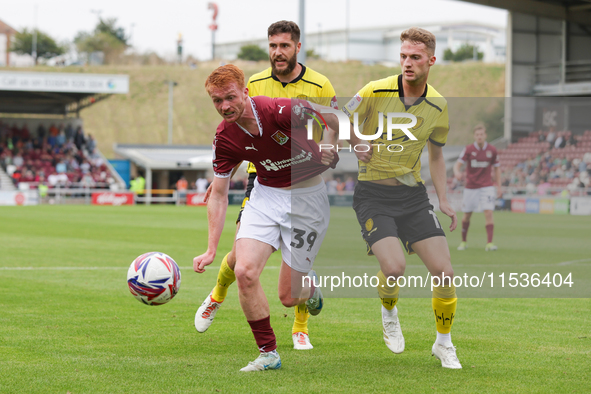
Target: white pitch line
x,y
82,268
563,263
573,262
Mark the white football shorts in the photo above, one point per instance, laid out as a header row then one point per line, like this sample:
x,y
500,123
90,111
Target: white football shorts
x,y
477,200
294,221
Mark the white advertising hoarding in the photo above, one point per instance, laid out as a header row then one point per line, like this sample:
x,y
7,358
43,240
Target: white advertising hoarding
x,y
580,206
26,197
63,82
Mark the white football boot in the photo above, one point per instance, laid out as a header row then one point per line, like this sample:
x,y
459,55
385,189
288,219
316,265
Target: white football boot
x,y
447,356
393,333
265,361
301,341
206,313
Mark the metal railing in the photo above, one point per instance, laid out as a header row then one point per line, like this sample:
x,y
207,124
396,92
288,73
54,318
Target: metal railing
x,y
573,71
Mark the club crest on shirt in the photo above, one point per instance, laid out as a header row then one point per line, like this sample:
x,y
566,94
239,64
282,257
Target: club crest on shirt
x,y
488,154
280,137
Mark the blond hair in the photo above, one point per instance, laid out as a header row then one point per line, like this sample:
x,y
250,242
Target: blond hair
x,y
417,35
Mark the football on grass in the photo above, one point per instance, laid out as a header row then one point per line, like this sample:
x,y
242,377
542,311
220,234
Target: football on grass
x,y
154,278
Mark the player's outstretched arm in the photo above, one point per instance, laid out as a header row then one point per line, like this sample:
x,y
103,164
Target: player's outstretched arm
x,y
216,216
438,175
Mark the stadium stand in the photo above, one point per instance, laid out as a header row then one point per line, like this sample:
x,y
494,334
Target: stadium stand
x,y
545,165
49,157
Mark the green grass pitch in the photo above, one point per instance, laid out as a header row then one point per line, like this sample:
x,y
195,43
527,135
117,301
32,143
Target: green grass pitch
x,y
69,324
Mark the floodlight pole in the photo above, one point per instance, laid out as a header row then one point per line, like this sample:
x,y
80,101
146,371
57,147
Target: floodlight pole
x,y
302,55
34,43
171,85
347,32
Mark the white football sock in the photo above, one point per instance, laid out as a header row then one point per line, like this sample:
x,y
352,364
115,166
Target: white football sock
x,y
387,313
444,339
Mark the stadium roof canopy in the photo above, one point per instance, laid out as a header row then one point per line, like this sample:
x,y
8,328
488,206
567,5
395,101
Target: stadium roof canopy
x,y
56,93
576,11
167,157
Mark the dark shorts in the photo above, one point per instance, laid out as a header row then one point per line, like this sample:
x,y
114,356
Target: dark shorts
x,y
251,177
395,211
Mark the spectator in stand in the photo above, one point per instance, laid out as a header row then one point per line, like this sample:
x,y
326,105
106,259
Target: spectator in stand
x,y
85,167
90,144
16,176
181,186
79,139
560,141
53,131
571,141
25,134
61,139
18,160
350,184
551,136
340,185
69,131
87,181
201,185
61,167
331,186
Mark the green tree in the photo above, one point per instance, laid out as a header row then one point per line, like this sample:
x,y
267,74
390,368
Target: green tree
x,y
46,46
465,52
106,38
252,52
311,54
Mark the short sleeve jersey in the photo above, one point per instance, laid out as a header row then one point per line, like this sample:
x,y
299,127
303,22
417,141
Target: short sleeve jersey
x,y
309,85
479,163
281,152
399,156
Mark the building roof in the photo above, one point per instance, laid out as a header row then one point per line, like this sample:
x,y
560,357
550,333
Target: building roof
x,y
167,157
6,29
56,93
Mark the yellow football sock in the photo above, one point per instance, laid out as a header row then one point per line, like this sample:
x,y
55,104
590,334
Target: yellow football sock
x,y
444,306
300,323
388,291
225,278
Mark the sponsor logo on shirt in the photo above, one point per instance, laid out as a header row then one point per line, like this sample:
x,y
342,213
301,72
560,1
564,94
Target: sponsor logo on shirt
x,y
354,102
271,165
479,164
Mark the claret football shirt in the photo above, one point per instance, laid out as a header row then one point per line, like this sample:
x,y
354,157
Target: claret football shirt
x,y
281,152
